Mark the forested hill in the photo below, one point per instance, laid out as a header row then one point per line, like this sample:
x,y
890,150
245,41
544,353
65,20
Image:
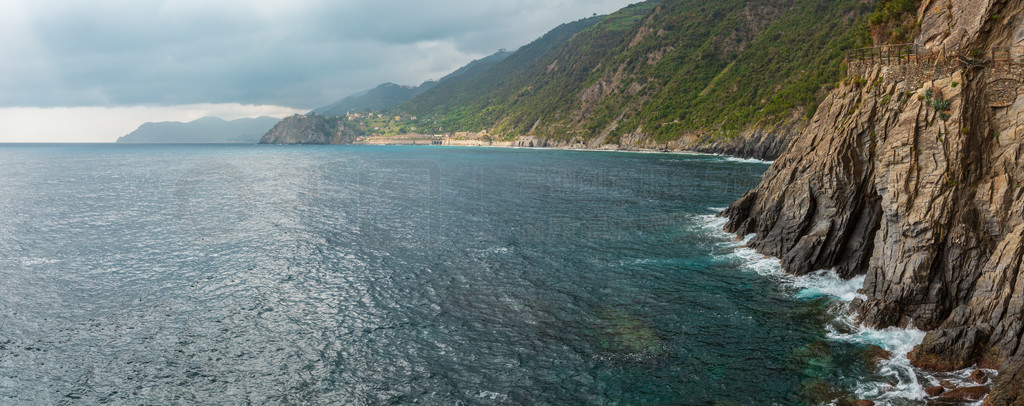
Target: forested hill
x,y
461,100
382,97
660,71
390,95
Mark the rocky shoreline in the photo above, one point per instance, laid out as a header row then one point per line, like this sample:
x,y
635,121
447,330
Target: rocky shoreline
x,y
761,144
911,173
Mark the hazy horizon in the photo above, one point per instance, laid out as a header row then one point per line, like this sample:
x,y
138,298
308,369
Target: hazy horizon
x,y
92,72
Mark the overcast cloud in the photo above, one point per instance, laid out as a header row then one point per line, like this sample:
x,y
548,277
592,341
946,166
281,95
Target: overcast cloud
x,y
299,53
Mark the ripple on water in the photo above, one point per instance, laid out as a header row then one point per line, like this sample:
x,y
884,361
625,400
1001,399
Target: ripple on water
x,y
368,275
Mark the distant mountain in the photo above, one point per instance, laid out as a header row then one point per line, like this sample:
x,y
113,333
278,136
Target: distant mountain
x,y
203,130
389,95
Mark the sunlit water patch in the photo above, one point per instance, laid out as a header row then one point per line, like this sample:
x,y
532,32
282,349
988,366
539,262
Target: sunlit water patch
x,y
397,275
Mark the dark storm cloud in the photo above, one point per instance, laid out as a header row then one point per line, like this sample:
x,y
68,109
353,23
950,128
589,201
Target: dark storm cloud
x,y
297,53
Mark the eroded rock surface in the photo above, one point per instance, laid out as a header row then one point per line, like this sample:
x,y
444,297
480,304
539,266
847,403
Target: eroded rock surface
x,y
909,174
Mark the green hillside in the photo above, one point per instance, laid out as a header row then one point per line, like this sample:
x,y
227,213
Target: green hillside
x,y
469,103
661,69
385,96
390,95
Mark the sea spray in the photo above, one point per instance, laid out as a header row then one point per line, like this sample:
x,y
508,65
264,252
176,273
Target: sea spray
x,y
746,160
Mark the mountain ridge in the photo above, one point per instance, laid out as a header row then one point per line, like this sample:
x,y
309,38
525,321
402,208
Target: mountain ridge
x,y
202,130
389,95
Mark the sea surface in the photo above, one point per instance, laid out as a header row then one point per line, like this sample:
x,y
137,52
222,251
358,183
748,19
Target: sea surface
x,y
366,275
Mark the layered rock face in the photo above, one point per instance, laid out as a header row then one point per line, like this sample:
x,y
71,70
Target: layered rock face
x,y
310,129
758,143
913,173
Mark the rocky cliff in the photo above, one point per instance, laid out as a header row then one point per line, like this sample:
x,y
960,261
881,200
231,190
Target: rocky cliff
x,y
311,129
911,172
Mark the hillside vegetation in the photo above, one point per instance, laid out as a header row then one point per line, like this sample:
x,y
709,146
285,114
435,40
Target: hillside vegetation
x,y
382,97
390,95
659,70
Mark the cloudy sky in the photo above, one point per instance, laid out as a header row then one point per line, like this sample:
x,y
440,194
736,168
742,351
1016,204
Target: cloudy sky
x,y
93,70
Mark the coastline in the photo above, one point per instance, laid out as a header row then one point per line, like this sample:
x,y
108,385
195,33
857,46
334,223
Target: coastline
x,y
508,145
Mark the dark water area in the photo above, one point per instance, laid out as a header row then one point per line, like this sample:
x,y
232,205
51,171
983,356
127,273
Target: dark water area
x,y
362,275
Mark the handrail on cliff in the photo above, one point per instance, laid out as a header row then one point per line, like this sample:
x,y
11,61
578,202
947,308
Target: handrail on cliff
x,y
886,53
1011,54
913,53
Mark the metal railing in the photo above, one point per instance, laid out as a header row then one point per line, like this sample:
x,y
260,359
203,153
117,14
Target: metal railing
x,y
897,53
1008,54
903,53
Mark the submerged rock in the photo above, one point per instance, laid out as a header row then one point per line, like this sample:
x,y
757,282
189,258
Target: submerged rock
x,y
821,392
934,390
979,377
874,355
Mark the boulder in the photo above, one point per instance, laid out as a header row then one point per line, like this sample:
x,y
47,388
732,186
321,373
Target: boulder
x,y
934,390
979,377
968,394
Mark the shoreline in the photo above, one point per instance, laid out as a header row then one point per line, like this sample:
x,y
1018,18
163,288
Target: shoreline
x,y
734,158
755,143
235,144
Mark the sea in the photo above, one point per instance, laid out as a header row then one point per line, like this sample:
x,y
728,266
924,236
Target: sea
x,y
394,275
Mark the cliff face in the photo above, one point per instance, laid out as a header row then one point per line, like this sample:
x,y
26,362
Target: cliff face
x,y
912,173
765,143
310,129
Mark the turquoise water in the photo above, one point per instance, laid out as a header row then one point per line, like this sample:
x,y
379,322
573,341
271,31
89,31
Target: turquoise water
x,y
397,275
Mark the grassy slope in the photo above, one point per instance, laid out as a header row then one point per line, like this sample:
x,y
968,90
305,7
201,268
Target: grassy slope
x,y
390,95
701,67
473,103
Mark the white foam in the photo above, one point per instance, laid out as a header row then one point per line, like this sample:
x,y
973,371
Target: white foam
x,y
32,261
484,394
713,223
909,381
760,263
746,160
753,260
828,283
